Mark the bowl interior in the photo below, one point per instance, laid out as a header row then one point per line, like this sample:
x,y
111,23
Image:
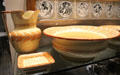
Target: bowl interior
x,y
116,27
81,32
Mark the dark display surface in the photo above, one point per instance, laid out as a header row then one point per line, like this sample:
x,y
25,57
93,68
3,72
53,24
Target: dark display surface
x,y
61,64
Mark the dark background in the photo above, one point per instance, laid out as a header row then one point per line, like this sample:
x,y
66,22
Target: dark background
x,y
5,56
2,8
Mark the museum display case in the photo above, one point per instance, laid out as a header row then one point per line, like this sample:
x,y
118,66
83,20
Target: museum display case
x,y
67,34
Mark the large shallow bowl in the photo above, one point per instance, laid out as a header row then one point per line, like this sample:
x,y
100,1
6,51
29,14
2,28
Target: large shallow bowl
x,y
81,33
115,42
80,41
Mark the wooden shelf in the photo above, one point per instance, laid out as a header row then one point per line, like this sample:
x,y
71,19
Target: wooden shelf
x,y
59,22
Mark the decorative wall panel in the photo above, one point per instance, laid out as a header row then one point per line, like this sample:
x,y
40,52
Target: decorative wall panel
x,y
67,12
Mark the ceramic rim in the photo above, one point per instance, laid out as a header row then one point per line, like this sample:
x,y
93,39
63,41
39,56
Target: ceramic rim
x,y
105,31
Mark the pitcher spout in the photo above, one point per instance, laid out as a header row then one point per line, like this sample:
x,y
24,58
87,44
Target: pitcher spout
x,y
25,18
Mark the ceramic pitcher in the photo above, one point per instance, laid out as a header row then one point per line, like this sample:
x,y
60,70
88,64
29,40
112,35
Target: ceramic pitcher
x,y
26,36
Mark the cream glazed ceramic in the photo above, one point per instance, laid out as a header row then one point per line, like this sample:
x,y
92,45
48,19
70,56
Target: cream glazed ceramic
x,y
26,36
79,50
115,42
81,45
78,46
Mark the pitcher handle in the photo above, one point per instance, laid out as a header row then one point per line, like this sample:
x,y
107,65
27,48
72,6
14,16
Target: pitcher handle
x,y
3,13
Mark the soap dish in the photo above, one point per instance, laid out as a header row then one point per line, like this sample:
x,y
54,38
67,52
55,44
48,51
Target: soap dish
x,y
33,60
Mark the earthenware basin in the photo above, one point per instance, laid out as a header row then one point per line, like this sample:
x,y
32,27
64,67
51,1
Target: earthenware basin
x,y
80,41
